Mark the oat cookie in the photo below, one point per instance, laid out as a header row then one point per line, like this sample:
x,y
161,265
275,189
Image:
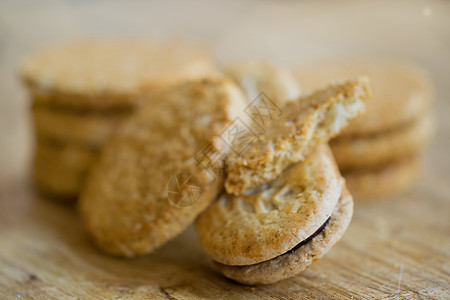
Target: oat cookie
x,y
304,123
402,92
125,205
396,176
301,256
258,76
104,73
273,218
374,150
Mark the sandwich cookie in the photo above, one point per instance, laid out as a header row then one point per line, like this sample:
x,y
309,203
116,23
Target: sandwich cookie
x,y
391,178
376,150
402,92
154,175
397,125
302,125
82,90
86,129
106,73
260,237
59,170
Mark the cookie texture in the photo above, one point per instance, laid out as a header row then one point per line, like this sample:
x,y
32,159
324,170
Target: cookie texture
x,y
60,170
258,76
402,92
374,150
303,124
110,72
271,219
90,129
293,262
394,177
125,205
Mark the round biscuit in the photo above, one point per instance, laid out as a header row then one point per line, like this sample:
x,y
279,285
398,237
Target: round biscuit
x,y
114,72
271,219
82,128
292,263
402,92
392,178
128,205
379,149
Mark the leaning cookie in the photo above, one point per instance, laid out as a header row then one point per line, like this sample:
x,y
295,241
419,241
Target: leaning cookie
x,y
154,175
273,218
301,256
258,76
303,124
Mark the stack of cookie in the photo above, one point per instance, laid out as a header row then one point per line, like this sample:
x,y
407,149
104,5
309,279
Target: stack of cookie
x,y
285,203
380,152
82,90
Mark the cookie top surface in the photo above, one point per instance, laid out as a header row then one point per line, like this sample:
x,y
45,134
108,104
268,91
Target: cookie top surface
x,y
401,91
255,76
288,137
295,261
128,204
271,219
115,69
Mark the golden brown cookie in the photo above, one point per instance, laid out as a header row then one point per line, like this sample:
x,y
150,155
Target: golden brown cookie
x,y
90,129
273,218
389,179
401,91
301,256
60,170
301,126
258,76
105,73
374,150
161,168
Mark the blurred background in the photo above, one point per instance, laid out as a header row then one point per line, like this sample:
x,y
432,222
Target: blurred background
x,y
291,32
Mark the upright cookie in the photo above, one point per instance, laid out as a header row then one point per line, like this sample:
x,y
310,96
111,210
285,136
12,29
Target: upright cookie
x,y
402,92
105,73
154,176
301,126
256,77
272,219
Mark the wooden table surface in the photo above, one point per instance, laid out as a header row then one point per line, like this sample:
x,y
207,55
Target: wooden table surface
x,y
395,248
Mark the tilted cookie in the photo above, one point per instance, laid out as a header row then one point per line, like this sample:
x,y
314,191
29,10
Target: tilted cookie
x,y
154,175
301,256
256,77
375,150
273,218
304,123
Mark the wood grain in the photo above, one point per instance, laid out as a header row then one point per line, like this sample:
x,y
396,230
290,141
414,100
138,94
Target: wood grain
x,y
396,248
